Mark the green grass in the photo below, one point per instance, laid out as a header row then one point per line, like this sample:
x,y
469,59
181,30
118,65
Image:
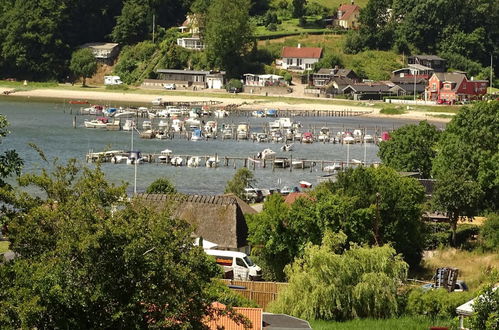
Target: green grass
x,y
4,246
403,323
491,90
290,27
392,111
19,85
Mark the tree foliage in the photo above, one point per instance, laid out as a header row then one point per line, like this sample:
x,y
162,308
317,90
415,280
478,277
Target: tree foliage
x,y
489,233
10,162
411,148
360,282
241,180
228,34
486,310
161,186
132,25
83,64
88,258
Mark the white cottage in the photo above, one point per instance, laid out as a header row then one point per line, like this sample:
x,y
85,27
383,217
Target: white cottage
x,y
300,58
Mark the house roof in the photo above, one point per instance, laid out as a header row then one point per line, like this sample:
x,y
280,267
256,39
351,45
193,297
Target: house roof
x,y
428,57
100,45
335,72
283,321
302,52
347,10
367,88
254,315
453,77
292,197
218,219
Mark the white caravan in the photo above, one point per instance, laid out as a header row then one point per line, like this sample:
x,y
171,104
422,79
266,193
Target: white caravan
x,y
112,80
237,265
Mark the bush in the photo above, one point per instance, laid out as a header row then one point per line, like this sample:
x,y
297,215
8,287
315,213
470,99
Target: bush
x,y
489,233
465,233
436,303
234,83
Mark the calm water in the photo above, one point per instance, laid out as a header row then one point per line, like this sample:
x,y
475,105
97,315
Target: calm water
x,y
49,125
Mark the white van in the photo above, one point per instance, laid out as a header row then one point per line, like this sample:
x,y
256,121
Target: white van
x,y
112,80
237,265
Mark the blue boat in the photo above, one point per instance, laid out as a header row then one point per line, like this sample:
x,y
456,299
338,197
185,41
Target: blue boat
x,y
197,135
271,113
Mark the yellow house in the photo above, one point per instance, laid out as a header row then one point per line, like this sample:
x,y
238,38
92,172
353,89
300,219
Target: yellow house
x,y
348,16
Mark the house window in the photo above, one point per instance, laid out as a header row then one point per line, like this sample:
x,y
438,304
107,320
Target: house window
x,y
447,86
434,86
299,62
289,61
308,66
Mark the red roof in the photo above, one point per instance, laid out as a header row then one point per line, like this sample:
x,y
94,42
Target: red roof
x,y
215,322
302,52
292,197
348,10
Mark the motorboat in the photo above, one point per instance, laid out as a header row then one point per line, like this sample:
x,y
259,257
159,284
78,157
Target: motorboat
x,y
281,123
157,101
333,168
177,125
129,125
258,114
194,161
221,113
271,113
92,110
210,129
119,159
307,137
357,133
242,131
161,135
212,162
287,147
227,132
348,139
193,122
197,135
134,157
146,124
165,156
177,161
100,122
163,124
368,138
124,114
261,137
148,134
195,113
277,136
305,184
266,154
323,135
109,111
114,125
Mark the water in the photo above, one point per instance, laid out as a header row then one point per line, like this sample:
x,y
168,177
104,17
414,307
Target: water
x,y
49,126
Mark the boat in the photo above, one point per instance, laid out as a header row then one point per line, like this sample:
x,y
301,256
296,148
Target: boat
x,y
210,129
242,131
277,136
194,161
157,101
261,137
125,114
115,125
134,157
284,122
305,184
177,161
368,138
333,168
177,125
221,113
148,134
195,113
227,132
146,124
100,122
129,125
193,122
323,135
266,154
163,124
109,112
271,113
197,135
119,159
287,147
258,114
161,134
212,162
92,110
307,137
348,139
77,102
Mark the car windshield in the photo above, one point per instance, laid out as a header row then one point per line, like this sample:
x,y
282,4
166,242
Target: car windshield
x,y
248,261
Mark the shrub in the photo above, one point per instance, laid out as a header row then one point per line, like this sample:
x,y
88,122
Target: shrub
x,y
465,233
234,83
489,233
486,310
436,303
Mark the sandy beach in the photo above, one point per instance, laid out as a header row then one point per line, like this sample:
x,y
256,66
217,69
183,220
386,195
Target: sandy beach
x,y
244,103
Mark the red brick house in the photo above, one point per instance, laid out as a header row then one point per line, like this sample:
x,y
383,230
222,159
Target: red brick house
x,y
347,16
453,87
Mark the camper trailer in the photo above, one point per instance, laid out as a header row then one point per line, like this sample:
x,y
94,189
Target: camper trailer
x,y
112,80
236,265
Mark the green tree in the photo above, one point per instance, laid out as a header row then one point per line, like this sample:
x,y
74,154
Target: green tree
x,y
228,34
411,148
161,186
83,64
10,162
489,233
132,25
89,258
239,181
299,7
486,310
326,285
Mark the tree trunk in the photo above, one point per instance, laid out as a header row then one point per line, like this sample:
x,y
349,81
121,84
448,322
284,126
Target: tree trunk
x,y
84,81
453,224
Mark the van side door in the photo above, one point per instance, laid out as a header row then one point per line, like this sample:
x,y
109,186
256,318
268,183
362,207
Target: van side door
x,y
241,271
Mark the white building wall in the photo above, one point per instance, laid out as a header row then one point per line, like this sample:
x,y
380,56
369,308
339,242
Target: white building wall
x,y
306,63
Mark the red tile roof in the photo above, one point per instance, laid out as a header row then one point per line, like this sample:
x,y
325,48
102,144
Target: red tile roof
x,y
302,52
222,321
292,197
348,10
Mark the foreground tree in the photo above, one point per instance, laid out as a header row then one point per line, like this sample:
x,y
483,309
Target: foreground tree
x,y
88,258
241,180
10,162
326,285
486,310
411,148
83,64
228,33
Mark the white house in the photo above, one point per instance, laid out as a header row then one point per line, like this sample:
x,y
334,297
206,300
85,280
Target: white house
x,y
103,51
191,26
263,80
195,43
300,58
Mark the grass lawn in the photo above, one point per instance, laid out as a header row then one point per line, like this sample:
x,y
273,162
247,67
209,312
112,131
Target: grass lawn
x,y
403,323
392,111
289,27
4,246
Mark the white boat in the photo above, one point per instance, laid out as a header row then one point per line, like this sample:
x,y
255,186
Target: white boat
x,y
242,131
157,101
96,123
287,147
323,135
193,122
165,156
357,133
277,136
125,114
114,125
335,167
281,123
266,154
166,152
177,125
119,159
193,161
210,129
129,125
161,135
221,113
368,138
258,114
163,124
348,139
227,133
305,184
261,137
212,162
177,161
146,124
148,134
92,110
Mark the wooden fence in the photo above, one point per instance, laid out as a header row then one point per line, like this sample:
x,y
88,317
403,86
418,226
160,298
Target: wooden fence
x,y
260,292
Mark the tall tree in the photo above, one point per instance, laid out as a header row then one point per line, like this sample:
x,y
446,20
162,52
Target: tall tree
x,y
299,8
132,25
83,64
161,186
228,34
88,258
411,148
241,180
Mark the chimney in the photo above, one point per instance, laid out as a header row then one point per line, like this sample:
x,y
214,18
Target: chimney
x,y
299,45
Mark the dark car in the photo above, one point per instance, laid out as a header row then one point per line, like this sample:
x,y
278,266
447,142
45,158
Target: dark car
x,y
234,90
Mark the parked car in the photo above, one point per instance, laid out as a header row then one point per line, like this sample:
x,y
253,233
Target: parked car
x,y
253,195
234,90
170,86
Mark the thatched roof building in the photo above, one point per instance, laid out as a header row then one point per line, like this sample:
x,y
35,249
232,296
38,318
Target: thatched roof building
x,y
218,219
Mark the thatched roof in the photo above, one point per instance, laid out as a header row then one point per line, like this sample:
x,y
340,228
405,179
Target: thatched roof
x,y
218,219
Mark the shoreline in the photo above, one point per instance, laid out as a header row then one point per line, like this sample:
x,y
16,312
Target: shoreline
x,y
244,103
